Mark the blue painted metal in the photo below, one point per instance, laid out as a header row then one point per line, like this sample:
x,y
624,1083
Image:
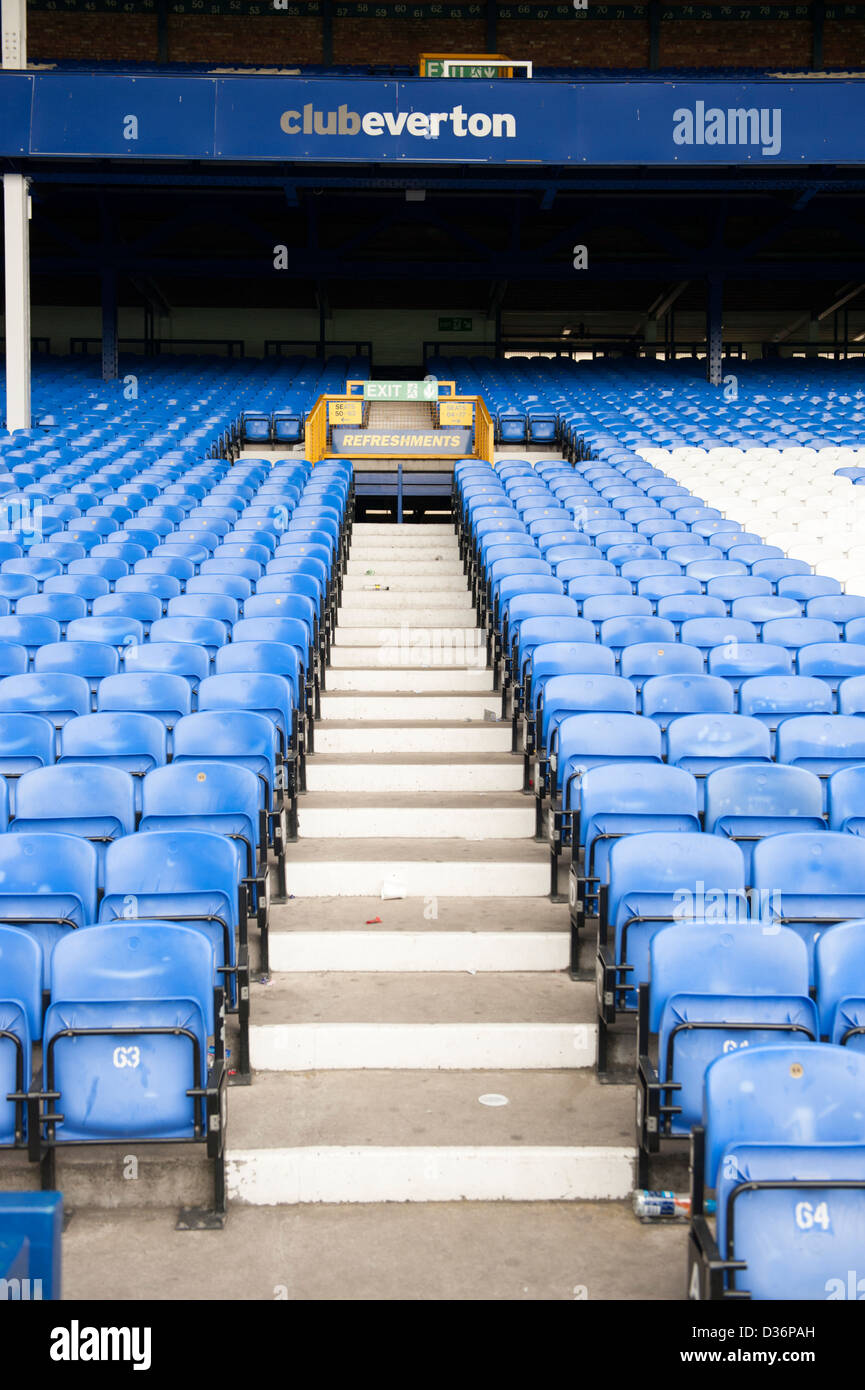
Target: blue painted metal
x,y
762,124
399,493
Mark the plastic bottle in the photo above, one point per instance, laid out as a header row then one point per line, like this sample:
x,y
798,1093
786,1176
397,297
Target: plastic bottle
x,y
649,1206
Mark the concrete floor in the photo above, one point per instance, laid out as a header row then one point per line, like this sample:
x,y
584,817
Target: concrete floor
x,y
401,1251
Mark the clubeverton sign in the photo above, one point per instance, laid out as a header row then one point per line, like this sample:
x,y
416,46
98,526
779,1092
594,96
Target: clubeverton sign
x,y
766,122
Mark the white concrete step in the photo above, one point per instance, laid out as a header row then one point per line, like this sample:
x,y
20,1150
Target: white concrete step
x,y
419,868
375,555
416,646
417,653
404,709
405,583
435,531
442,739
420,1021
451,934
410,680
416,815
382,1136
400,772
419,598
417,565
359,611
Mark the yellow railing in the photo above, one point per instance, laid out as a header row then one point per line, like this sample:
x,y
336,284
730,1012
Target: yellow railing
x,y
317,441
484,434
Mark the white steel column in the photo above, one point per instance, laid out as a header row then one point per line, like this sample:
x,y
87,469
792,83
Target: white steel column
x,y
16,243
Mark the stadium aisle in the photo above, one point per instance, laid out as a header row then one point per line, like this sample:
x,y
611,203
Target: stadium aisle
x,y
420,965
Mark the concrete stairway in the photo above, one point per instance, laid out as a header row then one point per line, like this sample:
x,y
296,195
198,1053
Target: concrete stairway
x,y
419,1039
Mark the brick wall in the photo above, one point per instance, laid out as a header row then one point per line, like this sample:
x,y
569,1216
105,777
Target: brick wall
x,y
287,41
363,41
276,40
602,43
749,43
844,43
130,38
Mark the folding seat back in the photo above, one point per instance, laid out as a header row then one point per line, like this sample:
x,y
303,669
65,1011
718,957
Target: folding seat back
x,y
243,737
88,660
185,659
701,743
280,658
821,743
716,987
584,588
13,659
657,586
794,633
97,803
21,972
758,609
62,607
215,797
707,633
196,884
839,974
627,631
772,699
131,741
267,693
144,607
837,608
206,633
142,991
809,881
737,661
535,632
56,695
656,879
746,804
589,740
48,886
614,605
30,631
729,588
679,608
114,631
627,799
165,696
832,662
577,694
667,697
785,1152
644,660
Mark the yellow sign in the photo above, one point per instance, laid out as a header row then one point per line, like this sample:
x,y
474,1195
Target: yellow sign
x,y
345,412
455,413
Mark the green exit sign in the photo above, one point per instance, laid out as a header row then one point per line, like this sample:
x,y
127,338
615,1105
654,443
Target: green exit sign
x,y
455,325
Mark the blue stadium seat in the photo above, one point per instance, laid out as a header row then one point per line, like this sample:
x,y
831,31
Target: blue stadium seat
x,y
97,803
746,803
656,879
809,881
197,886
783,1146
48,886
713,988
701,743
56,695
839,976
143,991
